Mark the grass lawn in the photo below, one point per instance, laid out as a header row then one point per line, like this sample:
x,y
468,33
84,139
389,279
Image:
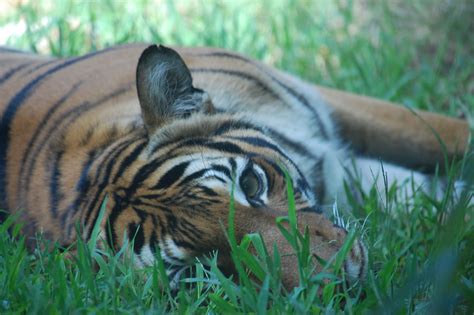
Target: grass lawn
x,y
418,53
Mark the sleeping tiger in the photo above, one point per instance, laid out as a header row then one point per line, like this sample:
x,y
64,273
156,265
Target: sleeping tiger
x,y
168,139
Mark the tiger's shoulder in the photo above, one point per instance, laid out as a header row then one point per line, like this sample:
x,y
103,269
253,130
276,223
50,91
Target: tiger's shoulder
x,y
74,105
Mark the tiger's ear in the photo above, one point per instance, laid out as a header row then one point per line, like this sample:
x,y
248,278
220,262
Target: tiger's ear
x,y
165,88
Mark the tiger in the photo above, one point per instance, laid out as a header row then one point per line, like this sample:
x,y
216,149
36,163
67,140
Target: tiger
x,y
169,136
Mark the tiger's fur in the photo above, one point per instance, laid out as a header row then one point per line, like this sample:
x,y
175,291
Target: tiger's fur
x,y
73,131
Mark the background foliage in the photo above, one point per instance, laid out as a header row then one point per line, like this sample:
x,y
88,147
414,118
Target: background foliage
x,y
418,53
415,52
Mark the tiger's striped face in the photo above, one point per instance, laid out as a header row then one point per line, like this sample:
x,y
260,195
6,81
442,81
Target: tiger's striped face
x,y
175,200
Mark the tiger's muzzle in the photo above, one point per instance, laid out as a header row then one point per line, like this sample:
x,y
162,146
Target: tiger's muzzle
x,y
326,239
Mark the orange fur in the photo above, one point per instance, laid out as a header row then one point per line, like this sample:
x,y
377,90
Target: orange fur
x,y
73,132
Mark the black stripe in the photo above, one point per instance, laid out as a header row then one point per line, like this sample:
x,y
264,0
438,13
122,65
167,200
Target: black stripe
x,y
318,176
136,235
114,213
171,222
37,132
222,169
185,244
306,103
191,142
225,146
300,97
290,144
190,231
233,166
144,201
82,186
66,118
235,125
243,75
208,191
54,186
228,55
301,183
311,209
150,196
153,241
129,159
87,137
14,105
262,143
91,202
105,181
193,176
104,170
41,65
259,142
12,71
171,176
144,172
276,168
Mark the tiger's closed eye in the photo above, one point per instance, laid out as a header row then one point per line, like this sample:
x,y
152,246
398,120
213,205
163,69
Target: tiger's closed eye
x,y
250,183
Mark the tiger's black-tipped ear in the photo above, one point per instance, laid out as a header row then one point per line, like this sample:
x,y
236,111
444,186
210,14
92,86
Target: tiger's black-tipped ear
x,y
165,88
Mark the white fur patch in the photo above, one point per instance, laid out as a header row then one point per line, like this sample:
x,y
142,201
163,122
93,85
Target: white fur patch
x,y
174,249
147,255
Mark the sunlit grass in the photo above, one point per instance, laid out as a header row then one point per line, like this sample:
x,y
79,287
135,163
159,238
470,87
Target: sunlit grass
x,y
418,53
416,264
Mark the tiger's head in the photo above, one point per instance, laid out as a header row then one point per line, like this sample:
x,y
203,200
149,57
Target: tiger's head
x,y
175,200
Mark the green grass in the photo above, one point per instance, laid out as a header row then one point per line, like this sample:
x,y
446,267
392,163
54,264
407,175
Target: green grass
x,y
418,53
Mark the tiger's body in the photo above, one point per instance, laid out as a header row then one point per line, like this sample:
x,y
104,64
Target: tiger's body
x,y
73,131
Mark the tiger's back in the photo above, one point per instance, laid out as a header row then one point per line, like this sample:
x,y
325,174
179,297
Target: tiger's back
x,y
68,108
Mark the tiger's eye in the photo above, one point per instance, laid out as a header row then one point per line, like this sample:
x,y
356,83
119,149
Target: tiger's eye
x,y
250,183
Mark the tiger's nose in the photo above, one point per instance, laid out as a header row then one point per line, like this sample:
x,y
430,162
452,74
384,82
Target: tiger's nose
x,y
356,260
